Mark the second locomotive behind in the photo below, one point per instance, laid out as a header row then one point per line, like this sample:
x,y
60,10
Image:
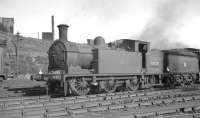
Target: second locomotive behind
x,y
120,65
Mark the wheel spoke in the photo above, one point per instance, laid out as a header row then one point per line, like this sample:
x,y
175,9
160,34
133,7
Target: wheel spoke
x,y
80,87
108,86
132,84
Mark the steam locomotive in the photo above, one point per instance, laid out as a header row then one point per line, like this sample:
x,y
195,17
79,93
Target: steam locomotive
x,y
117,66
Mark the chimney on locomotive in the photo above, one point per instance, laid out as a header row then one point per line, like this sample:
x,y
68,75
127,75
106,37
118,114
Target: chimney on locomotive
x,y
63,32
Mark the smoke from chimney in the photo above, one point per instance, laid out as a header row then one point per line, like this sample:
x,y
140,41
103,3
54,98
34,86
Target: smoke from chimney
x,y
162,29
63,32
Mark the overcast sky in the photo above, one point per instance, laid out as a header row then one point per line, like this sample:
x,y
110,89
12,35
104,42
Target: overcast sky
x,y
172,20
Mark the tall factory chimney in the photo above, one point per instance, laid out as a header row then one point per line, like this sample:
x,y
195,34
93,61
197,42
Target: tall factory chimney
x,y
63,32
52,26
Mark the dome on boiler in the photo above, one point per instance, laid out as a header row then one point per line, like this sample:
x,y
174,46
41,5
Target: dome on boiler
x,y
99,40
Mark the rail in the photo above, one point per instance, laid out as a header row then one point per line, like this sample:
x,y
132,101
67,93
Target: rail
x,y
176,103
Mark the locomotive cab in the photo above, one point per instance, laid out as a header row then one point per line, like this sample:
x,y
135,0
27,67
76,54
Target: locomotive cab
x,y
130,45
143,47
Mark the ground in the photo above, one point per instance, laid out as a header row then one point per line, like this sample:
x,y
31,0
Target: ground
x,y
20,87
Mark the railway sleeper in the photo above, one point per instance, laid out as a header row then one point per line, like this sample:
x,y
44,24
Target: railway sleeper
x,y
82,97
167,101
115,97
15,107
124,96
119,93
158,102
108,98
70,98
102,95
197,109
153,93
153,98
7,112
178,100
96,99
125,101
126,92
146,104
53,106
2,105
145,115
33,109
196,115
144,99
188,110
57,114
110,94
58,109
141,94
12,104
57,99
2,100
43,100
27,102
188,98
68,102
113,102
179,116
82,100
197,97
78,111
94,104
34,116
34,112
132,95
12,115
91,96
44,97
167,112
33,98
14,99
98,109
131,105
136,99
75,106
105,103
115,107
165,96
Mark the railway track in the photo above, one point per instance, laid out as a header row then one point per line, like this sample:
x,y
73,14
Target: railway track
x,y
133,102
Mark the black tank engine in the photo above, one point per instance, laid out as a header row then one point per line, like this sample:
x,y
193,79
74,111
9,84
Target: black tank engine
x,y
124,64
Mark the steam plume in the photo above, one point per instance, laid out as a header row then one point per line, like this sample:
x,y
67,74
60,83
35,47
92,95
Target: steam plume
x,y
162,28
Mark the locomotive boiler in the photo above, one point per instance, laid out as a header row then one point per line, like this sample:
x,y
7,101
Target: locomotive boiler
x,y
124,64
64,55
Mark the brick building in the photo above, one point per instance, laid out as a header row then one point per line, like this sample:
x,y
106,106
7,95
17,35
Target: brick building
x,y
7,24
47,36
